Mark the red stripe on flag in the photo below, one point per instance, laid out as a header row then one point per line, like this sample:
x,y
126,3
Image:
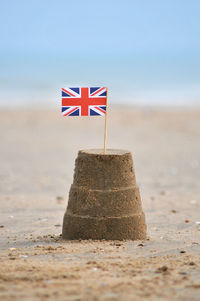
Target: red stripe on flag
x,y
96,101
97,91
100,110
66,91
70,111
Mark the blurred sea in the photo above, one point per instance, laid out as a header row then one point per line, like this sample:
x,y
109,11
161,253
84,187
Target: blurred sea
x,y
135,79
49,98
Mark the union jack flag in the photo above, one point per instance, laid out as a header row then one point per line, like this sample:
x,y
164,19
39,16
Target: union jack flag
x,y
84,101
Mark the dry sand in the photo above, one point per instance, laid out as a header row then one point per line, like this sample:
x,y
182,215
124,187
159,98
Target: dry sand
x,y
37,153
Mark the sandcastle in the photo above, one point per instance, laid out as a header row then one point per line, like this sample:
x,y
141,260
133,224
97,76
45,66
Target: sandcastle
x,y
104,200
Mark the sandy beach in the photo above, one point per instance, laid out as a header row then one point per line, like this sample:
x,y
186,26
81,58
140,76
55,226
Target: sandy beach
x,y
37,154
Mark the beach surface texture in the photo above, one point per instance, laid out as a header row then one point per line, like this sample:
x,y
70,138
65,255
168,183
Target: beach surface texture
x,y
37,159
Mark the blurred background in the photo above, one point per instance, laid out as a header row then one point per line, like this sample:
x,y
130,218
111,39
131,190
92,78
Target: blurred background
x,y
146,52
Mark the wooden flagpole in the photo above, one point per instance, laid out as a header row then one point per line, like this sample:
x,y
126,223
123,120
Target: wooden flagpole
x,y
105,126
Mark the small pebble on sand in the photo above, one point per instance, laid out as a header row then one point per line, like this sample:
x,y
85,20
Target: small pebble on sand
x,y
183,273
163,192
59,199
156,229
162,269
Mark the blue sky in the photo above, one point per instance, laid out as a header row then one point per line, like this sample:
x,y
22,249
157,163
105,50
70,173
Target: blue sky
x,y
144,51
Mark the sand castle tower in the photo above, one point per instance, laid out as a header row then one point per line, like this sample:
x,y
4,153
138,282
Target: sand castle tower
x,y
104,200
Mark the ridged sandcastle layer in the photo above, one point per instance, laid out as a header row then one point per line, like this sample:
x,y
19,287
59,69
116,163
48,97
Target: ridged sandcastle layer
x,y
104,200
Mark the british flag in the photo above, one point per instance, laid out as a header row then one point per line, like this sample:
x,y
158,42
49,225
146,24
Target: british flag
x,y
84,101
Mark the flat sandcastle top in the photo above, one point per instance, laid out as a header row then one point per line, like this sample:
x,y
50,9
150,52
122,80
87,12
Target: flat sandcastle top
x,y
115,152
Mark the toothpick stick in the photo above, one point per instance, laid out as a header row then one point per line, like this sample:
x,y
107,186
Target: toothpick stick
x,y
105,126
